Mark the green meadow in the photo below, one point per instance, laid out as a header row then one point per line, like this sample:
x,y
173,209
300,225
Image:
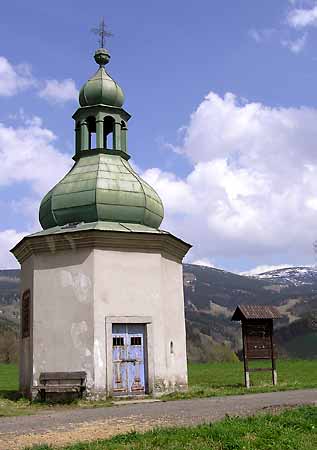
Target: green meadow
x,y
216,379
9,377
205,380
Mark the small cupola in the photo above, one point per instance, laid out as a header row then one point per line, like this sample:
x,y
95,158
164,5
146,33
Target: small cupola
x,y
101,89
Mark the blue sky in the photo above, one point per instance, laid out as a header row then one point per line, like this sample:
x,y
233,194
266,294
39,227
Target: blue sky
x,y
223,100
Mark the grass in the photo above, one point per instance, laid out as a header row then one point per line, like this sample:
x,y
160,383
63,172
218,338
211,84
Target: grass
x,y
9,376
13,404
216,379
294,429
205,380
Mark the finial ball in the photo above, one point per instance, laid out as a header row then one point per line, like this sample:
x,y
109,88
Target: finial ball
x,y
102,56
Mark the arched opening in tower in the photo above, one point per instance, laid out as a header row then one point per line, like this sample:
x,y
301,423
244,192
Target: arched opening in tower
x,y
91,123
108,129
123,136
77,137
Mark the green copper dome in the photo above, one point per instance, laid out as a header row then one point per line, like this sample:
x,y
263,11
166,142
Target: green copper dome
x,y
101,186
101,88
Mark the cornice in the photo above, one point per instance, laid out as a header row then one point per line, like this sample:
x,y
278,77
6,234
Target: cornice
x,y
86,110
166,244
97,151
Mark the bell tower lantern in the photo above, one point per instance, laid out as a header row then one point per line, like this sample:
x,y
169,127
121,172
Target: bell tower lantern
x,y
101,114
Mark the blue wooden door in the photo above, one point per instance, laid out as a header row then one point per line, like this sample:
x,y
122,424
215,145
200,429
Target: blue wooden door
x,y
128,359
119,372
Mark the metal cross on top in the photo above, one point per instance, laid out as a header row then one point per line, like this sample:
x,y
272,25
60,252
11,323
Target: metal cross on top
x,y
102,32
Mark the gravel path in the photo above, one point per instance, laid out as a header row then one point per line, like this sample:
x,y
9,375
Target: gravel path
x,y
68,426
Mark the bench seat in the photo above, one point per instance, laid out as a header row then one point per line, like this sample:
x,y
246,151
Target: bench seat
x,y
60,382
59,388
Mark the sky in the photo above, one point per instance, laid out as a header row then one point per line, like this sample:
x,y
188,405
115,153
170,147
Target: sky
x,y
223,99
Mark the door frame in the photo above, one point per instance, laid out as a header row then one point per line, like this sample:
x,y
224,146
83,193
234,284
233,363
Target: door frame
x,y
148,349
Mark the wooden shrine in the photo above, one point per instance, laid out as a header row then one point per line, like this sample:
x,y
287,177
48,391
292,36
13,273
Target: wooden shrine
x,y
257,337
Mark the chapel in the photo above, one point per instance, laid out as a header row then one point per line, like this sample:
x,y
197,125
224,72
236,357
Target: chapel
x,y
102,287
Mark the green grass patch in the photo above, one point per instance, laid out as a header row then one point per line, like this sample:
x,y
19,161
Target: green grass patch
x,y
213,379
9,375
205,380
291,430
13,404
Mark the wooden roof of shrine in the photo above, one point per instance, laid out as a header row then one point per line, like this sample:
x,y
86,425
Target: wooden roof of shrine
x,y
249,312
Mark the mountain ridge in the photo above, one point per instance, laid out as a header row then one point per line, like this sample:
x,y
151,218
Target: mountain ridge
x,y
211,296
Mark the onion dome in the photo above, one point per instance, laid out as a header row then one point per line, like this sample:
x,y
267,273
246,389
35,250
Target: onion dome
x,y
101,187
101,88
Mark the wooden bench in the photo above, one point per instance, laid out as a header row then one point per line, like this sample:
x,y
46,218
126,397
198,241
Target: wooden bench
x,y
62,382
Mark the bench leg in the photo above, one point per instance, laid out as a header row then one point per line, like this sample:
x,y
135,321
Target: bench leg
x,y
43,395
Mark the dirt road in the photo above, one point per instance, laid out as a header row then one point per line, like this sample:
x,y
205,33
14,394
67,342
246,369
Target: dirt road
x,y
74,425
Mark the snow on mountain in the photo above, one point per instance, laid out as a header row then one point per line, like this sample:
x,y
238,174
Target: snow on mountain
x,y
291,276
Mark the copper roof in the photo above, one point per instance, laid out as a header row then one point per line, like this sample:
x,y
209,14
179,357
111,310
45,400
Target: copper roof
x,y
245,312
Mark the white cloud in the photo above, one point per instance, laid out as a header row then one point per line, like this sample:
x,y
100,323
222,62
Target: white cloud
x,y
205,262
14,79
302,17
8,239
177,190
262,35
265,268
28,155
301,14
251,193
56,91
296,45
27,210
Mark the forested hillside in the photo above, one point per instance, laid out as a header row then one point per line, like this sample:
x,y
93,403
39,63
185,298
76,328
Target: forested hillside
x,y
211,295
9,314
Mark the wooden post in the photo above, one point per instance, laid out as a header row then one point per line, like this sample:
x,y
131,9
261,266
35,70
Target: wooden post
x,y
245,359
274,371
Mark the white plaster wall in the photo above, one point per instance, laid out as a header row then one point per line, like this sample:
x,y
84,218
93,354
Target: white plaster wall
x,y
75,291
63,313
126,284
142,284
26,356
174,324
